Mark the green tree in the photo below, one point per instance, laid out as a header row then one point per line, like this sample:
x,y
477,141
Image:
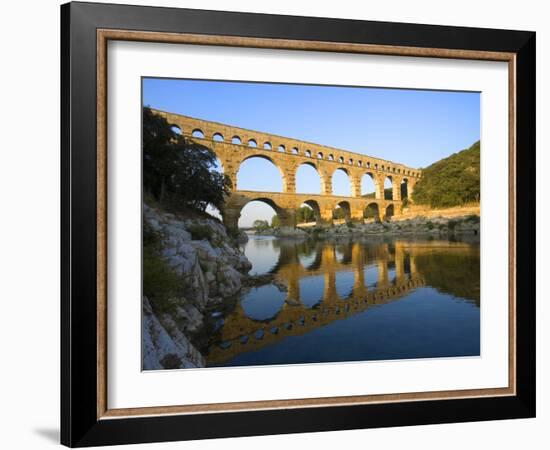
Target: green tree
x,y
451,181
304,214
177,169
260,225
275,222
338,213
370,212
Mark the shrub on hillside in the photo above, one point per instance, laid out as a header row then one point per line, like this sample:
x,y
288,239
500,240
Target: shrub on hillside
x,y
199,232
451,181
160,282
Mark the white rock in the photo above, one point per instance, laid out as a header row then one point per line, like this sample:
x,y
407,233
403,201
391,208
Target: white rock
x,y
159,345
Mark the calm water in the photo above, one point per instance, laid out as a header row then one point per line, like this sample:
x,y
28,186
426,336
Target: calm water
x,y
370,299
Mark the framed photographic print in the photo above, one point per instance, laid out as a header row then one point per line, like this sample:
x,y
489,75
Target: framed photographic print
x,y
276,224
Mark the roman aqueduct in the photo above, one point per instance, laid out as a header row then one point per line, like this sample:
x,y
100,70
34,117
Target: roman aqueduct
x,y
233,146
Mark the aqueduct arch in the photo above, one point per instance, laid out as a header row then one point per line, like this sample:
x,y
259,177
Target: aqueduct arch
x,y
373,210
234,145
346,209
310,165
314,205
265,158
390,212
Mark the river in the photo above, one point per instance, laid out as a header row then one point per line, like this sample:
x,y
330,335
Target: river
x,y
376,298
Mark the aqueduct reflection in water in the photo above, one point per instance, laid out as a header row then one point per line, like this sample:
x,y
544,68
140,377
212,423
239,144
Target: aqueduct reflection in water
x,y
329,281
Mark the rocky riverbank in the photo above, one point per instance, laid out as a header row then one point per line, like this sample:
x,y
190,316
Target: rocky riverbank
x,y
433,226
282,232
205,266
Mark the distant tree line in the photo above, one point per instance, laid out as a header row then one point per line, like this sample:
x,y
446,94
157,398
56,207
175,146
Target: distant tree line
x,y
451,181
260,225
304,214
388,193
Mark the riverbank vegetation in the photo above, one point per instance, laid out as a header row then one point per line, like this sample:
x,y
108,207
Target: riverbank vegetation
x,y
451,181
160,282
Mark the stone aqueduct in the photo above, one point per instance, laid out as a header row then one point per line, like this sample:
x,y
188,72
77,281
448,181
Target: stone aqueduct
x,y
233,146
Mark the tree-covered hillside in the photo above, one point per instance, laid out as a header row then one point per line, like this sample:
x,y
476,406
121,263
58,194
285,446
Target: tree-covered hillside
x,y
451,181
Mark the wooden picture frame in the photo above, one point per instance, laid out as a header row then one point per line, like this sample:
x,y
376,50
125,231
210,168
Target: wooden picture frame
x,y
85,417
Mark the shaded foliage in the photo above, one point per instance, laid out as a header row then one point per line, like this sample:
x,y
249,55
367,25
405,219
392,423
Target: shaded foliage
x,y
339,213
200,232
451,181
161,284
370,212
178,170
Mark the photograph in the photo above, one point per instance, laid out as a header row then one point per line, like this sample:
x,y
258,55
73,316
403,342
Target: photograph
x,y
287,224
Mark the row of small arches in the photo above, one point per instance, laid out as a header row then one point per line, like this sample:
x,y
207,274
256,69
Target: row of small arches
x,y
218,137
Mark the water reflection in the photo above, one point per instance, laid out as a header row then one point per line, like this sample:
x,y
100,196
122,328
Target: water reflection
x,y
256,308
263,254
334,283
311,290
371,276
344,282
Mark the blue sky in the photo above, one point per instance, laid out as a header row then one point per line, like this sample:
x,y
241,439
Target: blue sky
x,y
412,127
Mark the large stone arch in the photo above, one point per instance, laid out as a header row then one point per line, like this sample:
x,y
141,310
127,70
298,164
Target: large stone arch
x,y
368,175
346,208
232,211
390,212
375,208
314,205
319,173
348,173
266,157
388,196
378,181
404,188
